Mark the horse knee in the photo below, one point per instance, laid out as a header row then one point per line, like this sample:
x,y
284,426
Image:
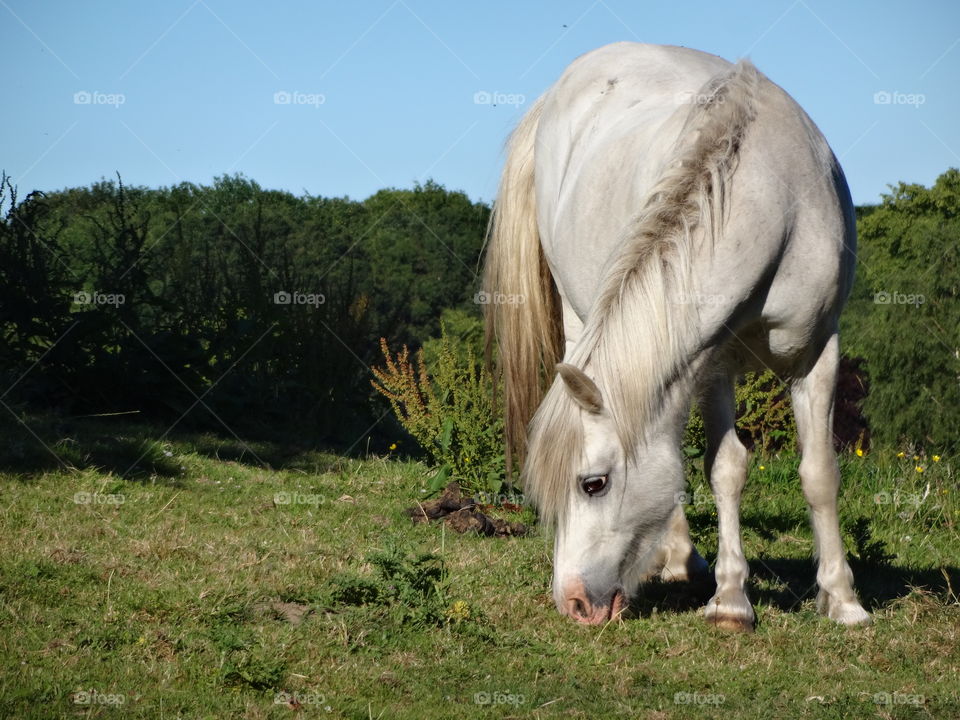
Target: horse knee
x,y
728,468
820,480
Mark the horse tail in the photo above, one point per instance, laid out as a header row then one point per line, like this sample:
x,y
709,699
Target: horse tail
x,y
644,326
522,310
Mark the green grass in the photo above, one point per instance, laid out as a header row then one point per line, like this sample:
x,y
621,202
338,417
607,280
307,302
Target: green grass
x,y
183,584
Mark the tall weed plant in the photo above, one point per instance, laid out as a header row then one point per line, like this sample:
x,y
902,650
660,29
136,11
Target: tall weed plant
x,y
448,405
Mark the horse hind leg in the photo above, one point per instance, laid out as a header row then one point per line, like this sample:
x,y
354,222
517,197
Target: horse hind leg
x,y
726,469
820,477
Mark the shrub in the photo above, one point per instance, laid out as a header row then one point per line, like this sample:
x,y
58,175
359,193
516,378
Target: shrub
x,y
449,409
765,420
903,315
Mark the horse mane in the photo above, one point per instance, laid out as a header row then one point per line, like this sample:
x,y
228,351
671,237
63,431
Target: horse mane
x,y
643,327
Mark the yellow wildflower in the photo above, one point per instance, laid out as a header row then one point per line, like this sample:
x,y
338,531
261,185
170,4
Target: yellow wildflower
x,y
393,446
763,467
859,452
459,611
936,458
919,468
901,454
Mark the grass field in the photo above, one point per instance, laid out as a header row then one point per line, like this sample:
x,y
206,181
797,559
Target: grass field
x,y
180,578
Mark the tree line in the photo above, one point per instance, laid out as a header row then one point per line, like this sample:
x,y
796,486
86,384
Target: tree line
x,y
224,305
228,306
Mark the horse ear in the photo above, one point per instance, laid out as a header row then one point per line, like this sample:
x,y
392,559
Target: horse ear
x,y
581,388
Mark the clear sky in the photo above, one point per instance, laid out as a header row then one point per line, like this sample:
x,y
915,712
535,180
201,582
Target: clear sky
x,y
385,93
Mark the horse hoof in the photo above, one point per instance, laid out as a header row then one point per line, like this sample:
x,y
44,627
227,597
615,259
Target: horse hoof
x,y
731,623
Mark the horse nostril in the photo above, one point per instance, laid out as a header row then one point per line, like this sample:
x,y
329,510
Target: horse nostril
x,y
577,608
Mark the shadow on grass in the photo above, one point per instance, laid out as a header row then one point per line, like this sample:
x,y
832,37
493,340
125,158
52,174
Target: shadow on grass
x,y
678,597
770,527
786,583
137,450
46,443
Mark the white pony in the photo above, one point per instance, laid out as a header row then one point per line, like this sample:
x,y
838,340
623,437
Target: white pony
x,y
671,220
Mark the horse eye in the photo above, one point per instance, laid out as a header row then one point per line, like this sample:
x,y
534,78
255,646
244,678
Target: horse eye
x,y
594,485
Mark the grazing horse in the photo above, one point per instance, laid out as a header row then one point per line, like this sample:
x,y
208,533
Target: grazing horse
x,y
669,220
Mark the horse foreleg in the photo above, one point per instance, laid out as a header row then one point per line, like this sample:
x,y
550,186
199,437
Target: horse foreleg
x,y
726,468
677,557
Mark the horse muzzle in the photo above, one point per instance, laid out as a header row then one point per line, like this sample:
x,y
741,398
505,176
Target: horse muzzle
x,y
588,607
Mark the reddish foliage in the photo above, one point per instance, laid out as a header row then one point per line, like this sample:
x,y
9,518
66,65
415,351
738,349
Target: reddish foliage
x,y
850,428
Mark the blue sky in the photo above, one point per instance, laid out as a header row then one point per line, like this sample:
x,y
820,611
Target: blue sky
x,y
385,93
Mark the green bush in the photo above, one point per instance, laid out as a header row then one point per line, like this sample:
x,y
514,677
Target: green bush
x,y
765,421
904,314
448,406
264,304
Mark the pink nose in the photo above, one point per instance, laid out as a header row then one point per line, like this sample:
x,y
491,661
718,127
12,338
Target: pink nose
x,y
576,603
